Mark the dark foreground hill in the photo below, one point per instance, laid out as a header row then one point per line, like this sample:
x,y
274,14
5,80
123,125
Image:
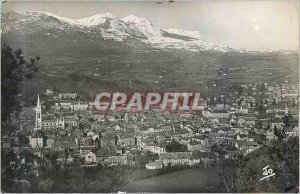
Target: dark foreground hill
x,y
248,180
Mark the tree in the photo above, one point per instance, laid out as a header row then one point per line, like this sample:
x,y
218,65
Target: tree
x,y
175,146
251,168
293,102
251,104
14,69
46,185
278,133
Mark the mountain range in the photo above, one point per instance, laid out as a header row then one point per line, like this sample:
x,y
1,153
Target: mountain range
x,y
82,55
109,27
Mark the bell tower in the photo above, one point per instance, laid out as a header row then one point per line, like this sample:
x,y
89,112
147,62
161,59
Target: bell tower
x,y
38,114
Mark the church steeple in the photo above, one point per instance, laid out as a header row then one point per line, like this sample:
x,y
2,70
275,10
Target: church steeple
x,y
38,114
38,105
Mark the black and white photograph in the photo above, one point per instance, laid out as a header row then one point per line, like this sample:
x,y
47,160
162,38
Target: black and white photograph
x,y
150,96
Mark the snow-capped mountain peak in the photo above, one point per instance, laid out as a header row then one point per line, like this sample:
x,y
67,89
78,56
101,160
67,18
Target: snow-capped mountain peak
x,y
95,19
44,13
135,19
108,26
142,25
87,22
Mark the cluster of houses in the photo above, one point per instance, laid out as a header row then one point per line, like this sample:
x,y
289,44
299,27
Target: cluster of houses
x,y
70,131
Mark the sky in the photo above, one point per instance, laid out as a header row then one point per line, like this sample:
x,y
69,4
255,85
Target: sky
x,y
254,25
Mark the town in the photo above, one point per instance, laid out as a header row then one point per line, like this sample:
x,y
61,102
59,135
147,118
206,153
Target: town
x,y
63,129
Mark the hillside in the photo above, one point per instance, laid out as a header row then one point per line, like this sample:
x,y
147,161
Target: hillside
x,y
273,156
106,51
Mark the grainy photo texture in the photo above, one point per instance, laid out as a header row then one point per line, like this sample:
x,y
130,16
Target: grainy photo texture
x,y
160,96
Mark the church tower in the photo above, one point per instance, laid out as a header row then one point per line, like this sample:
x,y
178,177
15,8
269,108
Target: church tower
x,y
38,114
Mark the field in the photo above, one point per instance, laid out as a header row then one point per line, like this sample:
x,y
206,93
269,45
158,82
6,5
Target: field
x,y
184,181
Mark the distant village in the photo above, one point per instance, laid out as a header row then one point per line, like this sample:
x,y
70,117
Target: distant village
x,y
62,128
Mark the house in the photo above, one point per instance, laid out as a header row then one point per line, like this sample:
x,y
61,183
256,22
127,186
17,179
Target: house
x,y
201,158
69,159
243,110
116,160
63,105
90,157
216,114
241,137
154,165
241,122
201,139
278,123
49,92
270,135
166,127
269,111
5,144
63,159
220,106
175,158
293,131
246,146
80,106
37,152
185,158
36,142
85,150
232,122
197,146
240,131
250,121
156,147
49,142
67,95
279,115
205,130
106,151
71,120
184,140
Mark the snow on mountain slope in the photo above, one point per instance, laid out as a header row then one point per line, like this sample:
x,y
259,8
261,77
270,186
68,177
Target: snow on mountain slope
x,y
95,20
142,25
191,34
87,22
108,26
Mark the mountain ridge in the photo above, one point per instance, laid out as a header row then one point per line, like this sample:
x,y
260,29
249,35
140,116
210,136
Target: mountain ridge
x,y
109,26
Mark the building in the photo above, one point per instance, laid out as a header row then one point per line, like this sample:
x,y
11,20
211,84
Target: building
x,y
196,146
175,158
49,92
90,157
116,160
36,142
154,165
185,158
38,114
293,131
246,146
222,114
155,147
67,95
278,123
52,121
71,120
270,135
